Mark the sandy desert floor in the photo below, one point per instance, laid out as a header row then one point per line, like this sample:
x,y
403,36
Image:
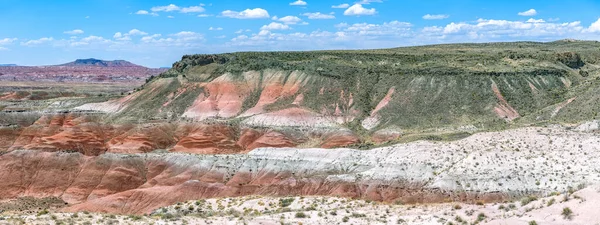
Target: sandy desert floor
x,y
575,207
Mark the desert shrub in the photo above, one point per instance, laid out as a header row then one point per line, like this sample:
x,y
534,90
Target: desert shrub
x,y
285,202
567,213
528,200
301,215
345,219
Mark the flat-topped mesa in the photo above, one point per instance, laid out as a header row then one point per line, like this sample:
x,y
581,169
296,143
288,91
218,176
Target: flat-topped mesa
x,y
100,63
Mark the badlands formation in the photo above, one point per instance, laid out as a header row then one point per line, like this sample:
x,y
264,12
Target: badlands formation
x,y
381,136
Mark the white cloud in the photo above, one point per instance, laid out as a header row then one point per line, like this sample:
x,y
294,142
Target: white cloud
x,y
532,20
594,28
435,17
215,28
167,8
395,28
298,2
256,13
74,32
181,39
172,8
7,41
318,16
193,9
3,48
275,26
127,36
136,32
242,31
150,38
504,30
288,19
38,41
144,12
204,15
531,12
93,40
366,2
359,10
341,6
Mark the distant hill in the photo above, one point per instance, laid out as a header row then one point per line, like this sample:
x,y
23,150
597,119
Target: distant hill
x,y
81,70
101,63
8,65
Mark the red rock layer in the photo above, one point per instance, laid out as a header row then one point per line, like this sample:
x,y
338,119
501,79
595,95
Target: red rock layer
x,y
84,134
137,184
338,140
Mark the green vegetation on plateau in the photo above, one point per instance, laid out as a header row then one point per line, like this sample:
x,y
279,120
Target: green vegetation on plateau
x,y
435,86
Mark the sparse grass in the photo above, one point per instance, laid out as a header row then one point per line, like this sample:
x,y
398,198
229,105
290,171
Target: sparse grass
x,y
528,200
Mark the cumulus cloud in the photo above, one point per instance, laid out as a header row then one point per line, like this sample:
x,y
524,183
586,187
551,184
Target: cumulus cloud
x,y
359,10
319,16
595,27
127,36
256,13
275,26
341,6
435,17
192,9
38,41
136,32
532,20
531,12
172,8
74,32
167,8
504,30
366,2
298,2
144,12
215,28
181,39
288,19
7,41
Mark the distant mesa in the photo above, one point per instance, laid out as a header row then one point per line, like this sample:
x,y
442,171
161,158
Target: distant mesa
x,y
4,65
100,63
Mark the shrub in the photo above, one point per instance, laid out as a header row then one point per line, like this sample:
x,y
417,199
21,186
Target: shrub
x,y
567,213
43,212
345,219
285,202
533,222
481,217
301,215
528,200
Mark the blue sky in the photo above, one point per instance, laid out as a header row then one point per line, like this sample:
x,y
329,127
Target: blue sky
x,y
157,33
